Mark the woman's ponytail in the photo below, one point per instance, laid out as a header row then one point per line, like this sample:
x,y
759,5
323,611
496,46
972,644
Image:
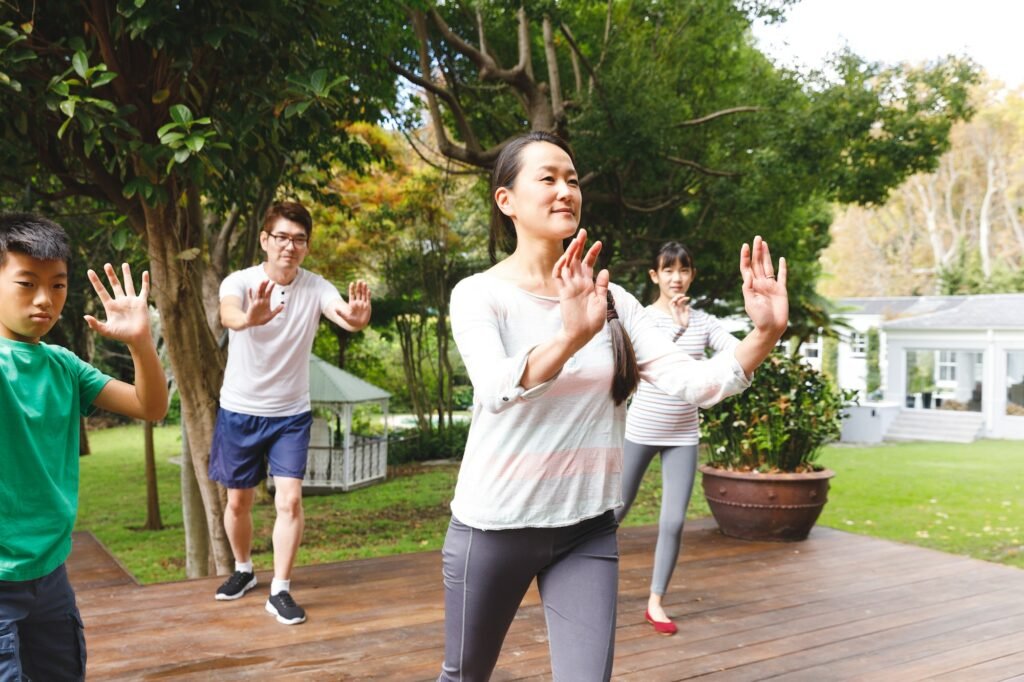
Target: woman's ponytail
x,y
626,373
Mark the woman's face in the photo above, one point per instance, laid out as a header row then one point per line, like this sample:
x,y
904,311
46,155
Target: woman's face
x,y
673,278
544,201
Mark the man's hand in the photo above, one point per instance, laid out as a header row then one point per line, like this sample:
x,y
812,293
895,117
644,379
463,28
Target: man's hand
x,y
258,312
355,314
127,313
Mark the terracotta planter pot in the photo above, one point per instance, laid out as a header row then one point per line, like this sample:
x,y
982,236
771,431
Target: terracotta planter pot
x,y
772,507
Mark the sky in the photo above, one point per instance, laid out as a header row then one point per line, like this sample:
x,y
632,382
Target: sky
x,y
893,31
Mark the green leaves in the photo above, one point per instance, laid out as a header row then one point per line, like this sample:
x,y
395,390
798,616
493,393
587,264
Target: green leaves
x,y
778,424
184,135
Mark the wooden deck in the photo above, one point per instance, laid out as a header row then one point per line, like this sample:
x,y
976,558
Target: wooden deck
x,y
836,607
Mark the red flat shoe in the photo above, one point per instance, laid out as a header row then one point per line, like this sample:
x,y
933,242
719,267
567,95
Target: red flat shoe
x,y
661,627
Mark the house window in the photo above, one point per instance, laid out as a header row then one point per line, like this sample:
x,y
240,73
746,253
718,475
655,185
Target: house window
x,y
1015,383
810,350
946,366
859,343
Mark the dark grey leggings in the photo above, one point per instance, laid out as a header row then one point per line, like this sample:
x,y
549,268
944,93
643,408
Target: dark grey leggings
x,y
678,468
487,573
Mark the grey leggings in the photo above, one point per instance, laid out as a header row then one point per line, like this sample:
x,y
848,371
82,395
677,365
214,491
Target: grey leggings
x,y
487,573
678,468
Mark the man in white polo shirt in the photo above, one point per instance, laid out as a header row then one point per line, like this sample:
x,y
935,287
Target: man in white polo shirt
x,y
272,311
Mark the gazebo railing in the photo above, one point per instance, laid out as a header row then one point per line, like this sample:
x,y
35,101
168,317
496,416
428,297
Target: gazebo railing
x,y
365,462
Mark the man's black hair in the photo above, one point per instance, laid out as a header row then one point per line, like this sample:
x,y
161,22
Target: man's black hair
x,y
34,236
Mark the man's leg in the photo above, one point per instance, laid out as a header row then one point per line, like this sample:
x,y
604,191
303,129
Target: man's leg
x,y
287,536
238,522
238,527
288,526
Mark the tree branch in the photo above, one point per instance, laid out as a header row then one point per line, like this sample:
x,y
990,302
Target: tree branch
x,y
702,169
717,114
554,81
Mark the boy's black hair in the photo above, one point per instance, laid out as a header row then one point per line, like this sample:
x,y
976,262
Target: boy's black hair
x,y
34,236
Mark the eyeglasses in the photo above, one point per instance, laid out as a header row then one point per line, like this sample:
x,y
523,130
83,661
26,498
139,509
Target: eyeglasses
x,y
282,240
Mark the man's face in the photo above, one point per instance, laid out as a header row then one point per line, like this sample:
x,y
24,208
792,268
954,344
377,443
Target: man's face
x,y
286,244
32,296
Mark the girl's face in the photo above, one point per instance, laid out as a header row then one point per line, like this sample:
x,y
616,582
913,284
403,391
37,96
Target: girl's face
x,y
545,201
673,278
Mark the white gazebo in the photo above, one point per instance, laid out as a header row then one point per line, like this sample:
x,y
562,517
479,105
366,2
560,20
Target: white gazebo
x,y
339,460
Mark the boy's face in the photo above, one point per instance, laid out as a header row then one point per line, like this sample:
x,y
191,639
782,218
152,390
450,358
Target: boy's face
x,y
32,296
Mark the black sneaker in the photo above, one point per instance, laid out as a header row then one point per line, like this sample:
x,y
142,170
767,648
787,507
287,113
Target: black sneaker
x,y
238,584
284,607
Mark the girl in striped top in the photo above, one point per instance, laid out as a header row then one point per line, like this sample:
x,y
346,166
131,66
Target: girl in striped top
x,y
658,422
547,347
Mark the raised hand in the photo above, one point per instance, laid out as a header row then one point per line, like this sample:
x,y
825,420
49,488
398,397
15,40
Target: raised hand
x,y
679,307
764,293
356,313
258,312
582,297
127,313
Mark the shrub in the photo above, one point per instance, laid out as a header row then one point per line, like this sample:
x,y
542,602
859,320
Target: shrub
x,y
779,424
415,445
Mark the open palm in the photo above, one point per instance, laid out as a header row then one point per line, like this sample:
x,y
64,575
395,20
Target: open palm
x,y
582,297
127,313
764,293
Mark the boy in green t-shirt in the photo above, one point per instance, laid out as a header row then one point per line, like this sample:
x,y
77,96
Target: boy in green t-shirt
x,y
43,390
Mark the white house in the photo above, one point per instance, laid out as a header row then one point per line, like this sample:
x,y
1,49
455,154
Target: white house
x,y
951,367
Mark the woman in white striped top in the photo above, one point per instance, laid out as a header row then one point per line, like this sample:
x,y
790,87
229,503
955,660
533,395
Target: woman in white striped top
x,y
661,423
546,342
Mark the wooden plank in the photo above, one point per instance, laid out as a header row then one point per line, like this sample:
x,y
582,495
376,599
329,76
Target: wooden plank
x,y
838,606
91,565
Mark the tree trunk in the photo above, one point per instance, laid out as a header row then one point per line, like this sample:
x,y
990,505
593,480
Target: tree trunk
x,y
83,438
197,538
197,361
153,520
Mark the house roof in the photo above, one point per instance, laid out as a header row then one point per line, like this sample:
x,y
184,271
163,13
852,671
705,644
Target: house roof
x,y
898,306
330,384
982,311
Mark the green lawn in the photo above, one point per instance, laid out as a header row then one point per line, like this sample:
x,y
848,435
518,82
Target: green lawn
x,y
956,498
964,499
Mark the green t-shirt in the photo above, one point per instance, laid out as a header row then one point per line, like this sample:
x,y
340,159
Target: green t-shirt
x,y
43,390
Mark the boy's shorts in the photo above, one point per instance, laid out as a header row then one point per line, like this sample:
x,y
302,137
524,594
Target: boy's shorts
x,y
243,444
41,634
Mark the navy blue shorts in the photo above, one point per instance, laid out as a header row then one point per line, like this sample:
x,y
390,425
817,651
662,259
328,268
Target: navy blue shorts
x,y
244,444
41,636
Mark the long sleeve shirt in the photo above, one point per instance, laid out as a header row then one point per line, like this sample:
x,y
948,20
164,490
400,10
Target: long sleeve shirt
x,y
551,455
657,418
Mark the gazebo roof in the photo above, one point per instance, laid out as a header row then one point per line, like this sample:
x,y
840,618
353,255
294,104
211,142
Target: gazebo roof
x,y
329,384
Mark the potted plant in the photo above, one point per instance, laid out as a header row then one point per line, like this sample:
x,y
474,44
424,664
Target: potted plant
x,y
761,479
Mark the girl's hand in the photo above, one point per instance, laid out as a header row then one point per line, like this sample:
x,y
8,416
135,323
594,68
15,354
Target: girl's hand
x,y
127,313
582,297
764,293
679,307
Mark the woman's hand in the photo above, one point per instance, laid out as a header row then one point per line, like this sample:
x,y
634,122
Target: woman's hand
x,y
582,297
764,293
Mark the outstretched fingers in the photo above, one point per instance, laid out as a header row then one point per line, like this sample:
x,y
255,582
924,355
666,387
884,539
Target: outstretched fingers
x,y
746,271
601,284
98,287
115,283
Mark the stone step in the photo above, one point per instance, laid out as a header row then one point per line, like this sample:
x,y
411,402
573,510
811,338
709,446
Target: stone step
x,y
935,425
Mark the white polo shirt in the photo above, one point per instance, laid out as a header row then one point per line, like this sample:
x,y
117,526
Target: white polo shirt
x,y
267,374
